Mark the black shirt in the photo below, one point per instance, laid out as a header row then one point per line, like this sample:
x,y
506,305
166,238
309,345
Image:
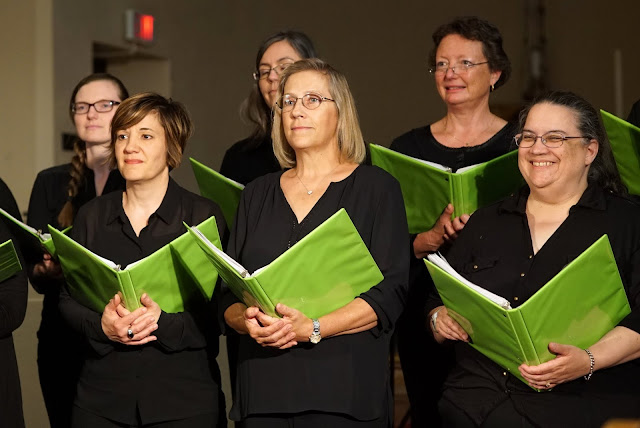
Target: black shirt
x,y
497,241
170,378
249,159
345,374
634,114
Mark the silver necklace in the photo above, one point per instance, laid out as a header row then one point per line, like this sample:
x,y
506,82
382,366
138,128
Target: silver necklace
x,y
468,143
310,192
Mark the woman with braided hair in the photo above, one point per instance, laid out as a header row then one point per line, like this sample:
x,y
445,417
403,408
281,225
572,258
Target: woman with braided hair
x,y
57,194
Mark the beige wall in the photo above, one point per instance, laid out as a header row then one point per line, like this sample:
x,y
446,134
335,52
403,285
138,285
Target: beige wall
x,y
207,48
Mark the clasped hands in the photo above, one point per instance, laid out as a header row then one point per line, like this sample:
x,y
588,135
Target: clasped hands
x,y
570,362
118,320
279,333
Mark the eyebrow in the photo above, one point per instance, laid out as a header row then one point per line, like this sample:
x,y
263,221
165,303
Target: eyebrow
x,y
278,61
553,130
145,129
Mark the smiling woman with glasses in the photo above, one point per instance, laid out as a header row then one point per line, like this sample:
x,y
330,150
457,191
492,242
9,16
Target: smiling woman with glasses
x,y
58,193
252,157
573,196
467,63
331,371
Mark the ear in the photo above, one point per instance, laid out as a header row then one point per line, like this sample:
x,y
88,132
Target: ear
x,y
591,152
495,76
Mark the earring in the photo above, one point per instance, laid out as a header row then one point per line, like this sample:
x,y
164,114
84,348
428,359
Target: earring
x,y
492,88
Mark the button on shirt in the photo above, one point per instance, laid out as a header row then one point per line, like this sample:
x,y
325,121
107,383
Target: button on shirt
x,y
495,251
174,377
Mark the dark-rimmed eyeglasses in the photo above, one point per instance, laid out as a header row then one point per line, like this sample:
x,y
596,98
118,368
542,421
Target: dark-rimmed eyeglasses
x,y
310,101
462,67
550,139
263,73
102,106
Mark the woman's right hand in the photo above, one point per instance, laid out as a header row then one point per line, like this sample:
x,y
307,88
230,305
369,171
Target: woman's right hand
x,y
268,331
47,268
444,230
446,327
117,321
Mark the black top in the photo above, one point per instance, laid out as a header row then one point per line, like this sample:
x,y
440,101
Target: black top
x,y
345,374
13,305
8,202
249,159
167,379
497,240
634,114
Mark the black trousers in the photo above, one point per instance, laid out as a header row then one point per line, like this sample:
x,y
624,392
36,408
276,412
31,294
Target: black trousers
x,y
81,418
311,420
503,416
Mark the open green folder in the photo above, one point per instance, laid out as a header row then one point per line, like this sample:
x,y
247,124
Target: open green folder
x,y
177,276
222,190
625,144
324,271
9,262
427,187
32,241
578,306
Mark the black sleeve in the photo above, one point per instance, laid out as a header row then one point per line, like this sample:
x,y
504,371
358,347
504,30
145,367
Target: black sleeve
x,y
193,329
632,321
634,115
389,248
79,317
13,294
8,202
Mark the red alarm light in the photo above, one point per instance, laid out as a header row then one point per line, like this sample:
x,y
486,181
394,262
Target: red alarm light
x,y
138,27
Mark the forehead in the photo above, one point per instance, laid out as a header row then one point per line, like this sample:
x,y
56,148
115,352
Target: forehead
x,y
278,52
307,81
96,91
545,117
457,46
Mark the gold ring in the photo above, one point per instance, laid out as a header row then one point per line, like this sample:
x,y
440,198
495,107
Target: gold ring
x,y
548,385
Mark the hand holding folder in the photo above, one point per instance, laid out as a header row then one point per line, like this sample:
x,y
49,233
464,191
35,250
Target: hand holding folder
x,y
324,271
625,144
175,276
583,302
427,187
222,190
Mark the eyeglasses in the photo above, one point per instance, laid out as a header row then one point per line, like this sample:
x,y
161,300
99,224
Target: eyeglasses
x,y
263,73
441,67
101,106
551,139
310,101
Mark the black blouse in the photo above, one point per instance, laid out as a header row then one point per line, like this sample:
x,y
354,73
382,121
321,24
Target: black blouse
x,y
249,159
174,377
634,114
497,241
345,374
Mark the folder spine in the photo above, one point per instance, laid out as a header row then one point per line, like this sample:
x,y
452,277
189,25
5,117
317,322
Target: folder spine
x,y
521,333
129,297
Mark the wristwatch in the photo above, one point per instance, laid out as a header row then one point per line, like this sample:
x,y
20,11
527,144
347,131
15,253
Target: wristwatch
x,y
434,317
315,335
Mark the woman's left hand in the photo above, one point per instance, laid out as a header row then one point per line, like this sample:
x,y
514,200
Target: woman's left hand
x,y
570,363
301,325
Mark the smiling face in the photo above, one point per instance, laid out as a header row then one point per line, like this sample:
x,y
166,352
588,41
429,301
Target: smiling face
x,y
277,54
304,128
468,86
562,170
141,151
93,127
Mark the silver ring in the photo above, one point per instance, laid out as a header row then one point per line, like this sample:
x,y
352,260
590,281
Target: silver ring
x,y
548,385
130,334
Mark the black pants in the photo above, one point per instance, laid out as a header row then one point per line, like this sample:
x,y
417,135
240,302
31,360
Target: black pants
x,y
503,416
81,418
311,420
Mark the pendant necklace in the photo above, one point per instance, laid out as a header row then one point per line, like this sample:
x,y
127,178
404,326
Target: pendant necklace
x,y
310,192
468,143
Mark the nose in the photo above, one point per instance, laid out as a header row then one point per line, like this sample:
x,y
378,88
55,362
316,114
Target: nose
x,y
92,114
273,75
298,109
538,148
450,72
131,145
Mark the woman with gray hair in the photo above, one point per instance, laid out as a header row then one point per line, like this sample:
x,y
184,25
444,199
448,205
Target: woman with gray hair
x,y
286,374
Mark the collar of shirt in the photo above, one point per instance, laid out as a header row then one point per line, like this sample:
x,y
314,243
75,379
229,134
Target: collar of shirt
x,y
593,198
165,212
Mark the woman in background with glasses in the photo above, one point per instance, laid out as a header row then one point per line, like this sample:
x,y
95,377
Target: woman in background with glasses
x,y
333,371
467,63
57,194
253,156
514,247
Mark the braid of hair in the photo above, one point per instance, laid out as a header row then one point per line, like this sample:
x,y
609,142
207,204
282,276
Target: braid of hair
x,y
78,162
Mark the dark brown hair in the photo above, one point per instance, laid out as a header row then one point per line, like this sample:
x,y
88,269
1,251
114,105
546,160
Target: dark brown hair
x,y
172,115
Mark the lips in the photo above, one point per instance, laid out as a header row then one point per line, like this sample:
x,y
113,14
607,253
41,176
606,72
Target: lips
x,y
132,161
541,164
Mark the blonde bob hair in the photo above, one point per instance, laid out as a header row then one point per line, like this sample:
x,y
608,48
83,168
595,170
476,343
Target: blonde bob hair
x,y
173,118
350,141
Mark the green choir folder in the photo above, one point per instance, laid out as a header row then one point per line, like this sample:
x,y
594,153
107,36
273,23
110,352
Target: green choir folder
x,y
177,276
9,262
428,187
578,306
322,272
625,144
32,241
222,190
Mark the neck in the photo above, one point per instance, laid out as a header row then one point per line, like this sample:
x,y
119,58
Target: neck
x,y
97,158
467,121
553,199
314,163
145,196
